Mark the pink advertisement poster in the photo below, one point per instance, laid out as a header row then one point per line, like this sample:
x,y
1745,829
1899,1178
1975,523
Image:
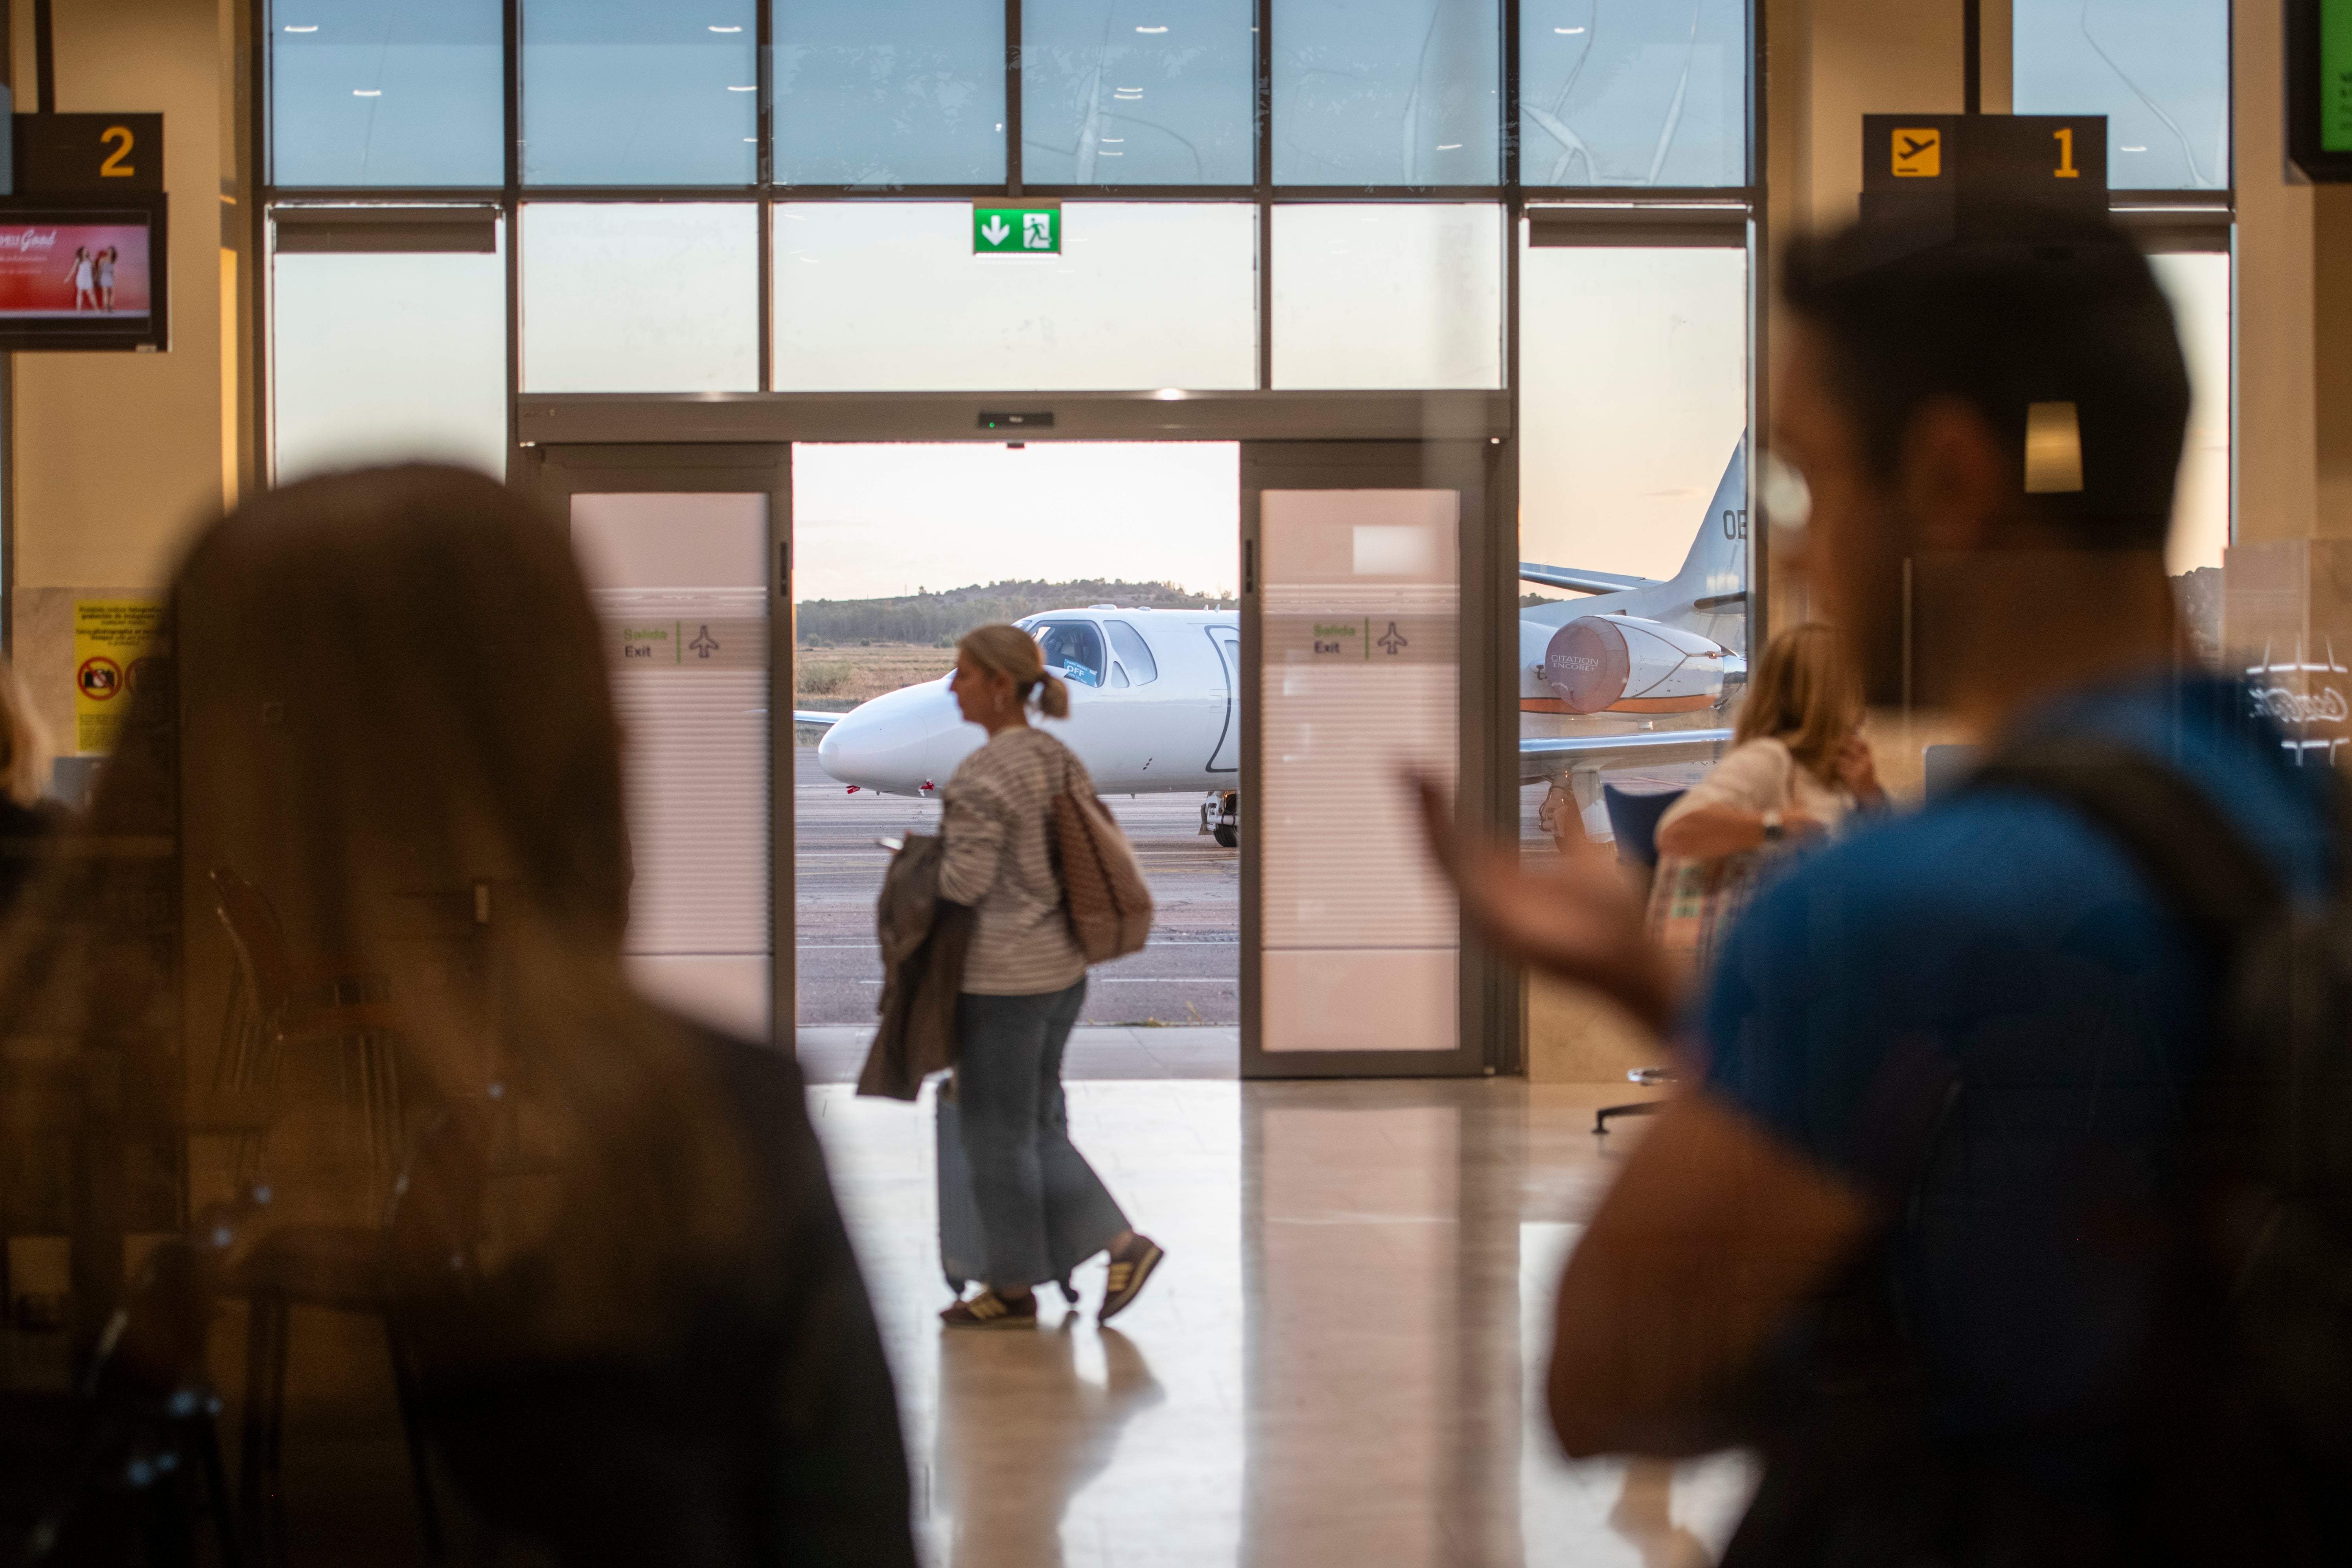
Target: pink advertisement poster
x,y
66,269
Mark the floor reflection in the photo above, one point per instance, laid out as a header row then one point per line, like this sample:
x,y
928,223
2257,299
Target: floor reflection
x,y
1341,1364
1022,1429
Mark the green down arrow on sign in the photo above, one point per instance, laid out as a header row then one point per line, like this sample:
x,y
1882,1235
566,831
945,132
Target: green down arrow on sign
x,y
1011,231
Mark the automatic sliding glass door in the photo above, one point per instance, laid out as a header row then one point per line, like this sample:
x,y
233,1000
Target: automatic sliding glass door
x,y
681,549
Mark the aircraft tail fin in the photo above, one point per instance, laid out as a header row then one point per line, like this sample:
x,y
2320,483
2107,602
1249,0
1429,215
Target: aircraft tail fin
x,y
1717,566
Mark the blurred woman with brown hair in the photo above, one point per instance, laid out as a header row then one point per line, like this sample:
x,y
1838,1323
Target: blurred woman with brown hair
x,y
637,1328
1042,1210
1797,767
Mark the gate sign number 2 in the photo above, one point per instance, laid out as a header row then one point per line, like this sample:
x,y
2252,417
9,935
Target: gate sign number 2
x,y
109,153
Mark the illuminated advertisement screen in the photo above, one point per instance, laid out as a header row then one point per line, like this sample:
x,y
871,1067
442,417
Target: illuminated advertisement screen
x,y
85,275
52,271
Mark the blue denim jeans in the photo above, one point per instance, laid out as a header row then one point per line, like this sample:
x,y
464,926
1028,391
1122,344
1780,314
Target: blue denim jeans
x,y
1042,1210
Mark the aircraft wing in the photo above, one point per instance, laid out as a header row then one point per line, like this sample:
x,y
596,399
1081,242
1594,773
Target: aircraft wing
x,y
1650,745
1577,581
806,716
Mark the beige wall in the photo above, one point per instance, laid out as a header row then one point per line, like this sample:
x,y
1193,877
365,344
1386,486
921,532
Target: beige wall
x,y
1833,61
118,456
2276,455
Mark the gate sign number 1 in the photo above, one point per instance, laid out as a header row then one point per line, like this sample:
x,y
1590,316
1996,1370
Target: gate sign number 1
x,y
1016,231
2058,159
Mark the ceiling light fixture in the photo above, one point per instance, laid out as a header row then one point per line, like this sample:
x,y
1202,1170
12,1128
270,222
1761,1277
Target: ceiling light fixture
x,y
1568,30
717,28
367,93
311,29
1152,29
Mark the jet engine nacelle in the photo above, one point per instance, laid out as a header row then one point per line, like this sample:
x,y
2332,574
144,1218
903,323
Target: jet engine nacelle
x,y
1623,664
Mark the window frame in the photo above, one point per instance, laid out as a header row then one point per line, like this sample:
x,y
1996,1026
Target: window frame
x,y
1262,192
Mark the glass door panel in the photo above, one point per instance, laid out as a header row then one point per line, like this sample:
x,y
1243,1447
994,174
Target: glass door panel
x,y
1362,606
680,584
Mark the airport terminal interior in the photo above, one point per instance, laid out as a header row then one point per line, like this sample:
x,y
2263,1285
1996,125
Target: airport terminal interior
x,y
1331,389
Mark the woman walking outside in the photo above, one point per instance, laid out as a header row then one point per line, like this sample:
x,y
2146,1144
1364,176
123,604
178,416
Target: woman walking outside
x,y
1798,767
1042,1207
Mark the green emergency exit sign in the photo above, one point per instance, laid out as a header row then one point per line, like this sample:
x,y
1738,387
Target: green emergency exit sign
x,y
1016,231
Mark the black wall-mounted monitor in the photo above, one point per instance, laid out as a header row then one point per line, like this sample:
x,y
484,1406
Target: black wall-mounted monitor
x,y
2319,89
84,273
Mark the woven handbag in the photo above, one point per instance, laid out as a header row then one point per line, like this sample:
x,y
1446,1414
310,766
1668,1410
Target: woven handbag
x,y
1103,890
1694,903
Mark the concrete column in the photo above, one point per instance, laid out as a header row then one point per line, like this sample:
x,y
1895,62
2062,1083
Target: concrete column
x,y
120,457
2287,602
2275,431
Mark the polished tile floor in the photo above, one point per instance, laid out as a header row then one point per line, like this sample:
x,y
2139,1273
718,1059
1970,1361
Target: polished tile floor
x,y
1340,1362
836,1053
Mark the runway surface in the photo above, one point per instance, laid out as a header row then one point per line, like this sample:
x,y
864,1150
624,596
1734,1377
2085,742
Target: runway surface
x,y
1188,976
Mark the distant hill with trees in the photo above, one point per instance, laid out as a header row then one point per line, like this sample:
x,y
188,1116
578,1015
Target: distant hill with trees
x,y
938,619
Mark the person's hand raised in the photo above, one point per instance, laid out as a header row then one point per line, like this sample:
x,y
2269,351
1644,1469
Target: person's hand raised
x,y
1579,919
1854,767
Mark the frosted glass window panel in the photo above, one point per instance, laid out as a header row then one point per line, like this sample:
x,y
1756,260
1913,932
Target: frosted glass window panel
x,y
2199,286
2159,69
1137,92
890,92
1632,396
1395,295
1633,93
418,373
1362,678
629,297
887,296
679,587
629,92
1387,92
386,92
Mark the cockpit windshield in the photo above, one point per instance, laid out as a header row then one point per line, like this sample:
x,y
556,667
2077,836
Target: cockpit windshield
x,y
1073,651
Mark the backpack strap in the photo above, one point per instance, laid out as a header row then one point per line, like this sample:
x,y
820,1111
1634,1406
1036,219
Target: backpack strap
x,y
2202,866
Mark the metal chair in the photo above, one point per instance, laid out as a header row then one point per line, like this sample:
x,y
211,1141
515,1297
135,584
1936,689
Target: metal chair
x,y
1634,818
133,1455
344,1268
274,1006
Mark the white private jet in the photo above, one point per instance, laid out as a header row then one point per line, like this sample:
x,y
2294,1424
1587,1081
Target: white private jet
x,y
1154,694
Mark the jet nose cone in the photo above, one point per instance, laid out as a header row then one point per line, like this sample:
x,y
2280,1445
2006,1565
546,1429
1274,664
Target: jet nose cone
x,y
887,744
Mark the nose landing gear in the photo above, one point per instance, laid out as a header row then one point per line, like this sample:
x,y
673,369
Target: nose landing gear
x,y
1221,818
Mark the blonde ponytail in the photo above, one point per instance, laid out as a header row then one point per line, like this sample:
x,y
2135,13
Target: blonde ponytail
x,y
1003,650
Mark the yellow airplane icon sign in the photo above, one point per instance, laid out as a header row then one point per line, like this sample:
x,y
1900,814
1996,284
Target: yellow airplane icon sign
x,y
1918,154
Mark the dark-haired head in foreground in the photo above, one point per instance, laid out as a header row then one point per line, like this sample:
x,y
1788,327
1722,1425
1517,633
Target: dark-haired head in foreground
x,y
2018,393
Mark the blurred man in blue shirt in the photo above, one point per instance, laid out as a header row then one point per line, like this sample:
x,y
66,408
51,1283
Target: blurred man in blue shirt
x,y
1944,1064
